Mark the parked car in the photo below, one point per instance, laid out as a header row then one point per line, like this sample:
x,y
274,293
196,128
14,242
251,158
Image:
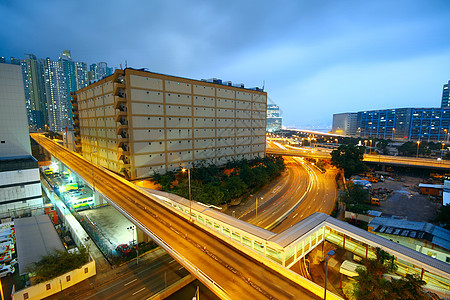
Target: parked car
x,y
123,249
6,270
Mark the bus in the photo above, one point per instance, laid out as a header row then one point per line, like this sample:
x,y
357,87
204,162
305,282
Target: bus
x,y
82,203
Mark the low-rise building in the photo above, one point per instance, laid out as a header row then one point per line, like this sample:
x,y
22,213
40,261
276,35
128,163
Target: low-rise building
x,y
423,237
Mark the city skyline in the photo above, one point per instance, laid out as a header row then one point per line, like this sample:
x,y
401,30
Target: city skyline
x,y
313,60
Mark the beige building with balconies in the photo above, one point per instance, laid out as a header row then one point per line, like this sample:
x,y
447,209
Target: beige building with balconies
x,y
136,122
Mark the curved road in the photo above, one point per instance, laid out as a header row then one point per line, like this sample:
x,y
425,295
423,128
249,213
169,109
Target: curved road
x,y
282,198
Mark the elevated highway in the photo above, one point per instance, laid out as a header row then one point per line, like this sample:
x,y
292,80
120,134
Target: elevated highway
x,y
233,258
228,272
379,159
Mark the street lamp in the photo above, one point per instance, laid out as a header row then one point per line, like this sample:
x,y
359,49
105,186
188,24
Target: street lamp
x,y
442,150
393,133
365,146
370,149
133,231
418,143
330,253
189,183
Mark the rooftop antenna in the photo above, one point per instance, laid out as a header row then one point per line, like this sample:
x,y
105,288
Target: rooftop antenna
x,y
126,64
264,83
121,66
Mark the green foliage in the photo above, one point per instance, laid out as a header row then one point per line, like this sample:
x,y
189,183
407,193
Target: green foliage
x,y
371,284
443,216
58,263
410,148
408,288
211,184
165,180
349,158
382,146
355,198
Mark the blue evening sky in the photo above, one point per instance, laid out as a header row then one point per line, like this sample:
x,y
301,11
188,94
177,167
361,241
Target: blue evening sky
x,y
315,57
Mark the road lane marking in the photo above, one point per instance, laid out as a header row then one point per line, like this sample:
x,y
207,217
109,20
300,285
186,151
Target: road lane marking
x,y
295,215
138,291
130,282
171,261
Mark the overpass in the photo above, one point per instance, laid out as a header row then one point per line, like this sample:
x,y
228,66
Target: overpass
x,y
229,256
378,159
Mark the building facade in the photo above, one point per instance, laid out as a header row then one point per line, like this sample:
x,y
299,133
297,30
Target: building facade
x,y
445,103
345,123
274,121
136,122
20,186
47,85
427,124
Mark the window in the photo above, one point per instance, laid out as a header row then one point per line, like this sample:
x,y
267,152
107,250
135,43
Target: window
x,y
68,278
25,296
86,270
48,286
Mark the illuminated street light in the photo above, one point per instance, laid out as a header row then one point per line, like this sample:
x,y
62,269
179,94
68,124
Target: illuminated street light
x,y
189,184
330,253
393,132
418,143
442,150
133,231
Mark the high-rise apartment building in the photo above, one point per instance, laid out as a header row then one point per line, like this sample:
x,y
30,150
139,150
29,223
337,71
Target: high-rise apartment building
x,y
274,121
57,96
20,188
47,85
445,104
136,122
35,97
99,71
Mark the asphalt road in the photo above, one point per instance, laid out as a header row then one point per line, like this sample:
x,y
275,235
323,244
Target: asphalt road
x,y
141,283
286,195
235,272
320,198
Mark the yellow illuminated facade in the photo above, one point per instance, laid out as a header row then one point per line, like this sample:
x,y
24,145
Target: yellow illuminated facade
x,y
136,122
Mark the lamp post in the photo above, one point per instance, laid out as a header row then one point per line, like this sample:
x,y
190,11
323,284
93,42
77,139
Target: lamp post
x,y
133,231
330,253
189,184
442,150
418,144
370,149
393,133
256,206
365,146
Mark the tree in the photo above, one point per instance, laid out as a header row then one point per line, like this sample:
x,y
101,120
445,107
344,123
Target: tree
x,y
349,158
409,288
370,282
443,216
59,262
355,197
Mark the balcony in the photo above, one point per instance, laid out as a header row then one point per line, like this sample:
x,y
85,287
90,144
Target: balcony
x,y
119,101
121,117
121,128
119,89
